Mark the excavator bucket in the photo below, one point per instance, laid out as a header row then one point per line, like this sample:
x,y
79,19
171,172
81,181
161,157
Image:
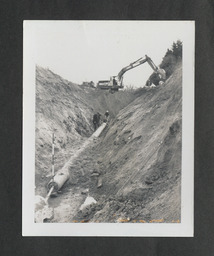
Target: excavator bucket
x,y
162,73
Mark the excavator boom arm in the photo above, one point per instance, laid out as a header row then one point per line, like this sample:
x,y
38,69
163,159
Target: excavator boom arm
x,y
138,62
116,82
132,65
152,64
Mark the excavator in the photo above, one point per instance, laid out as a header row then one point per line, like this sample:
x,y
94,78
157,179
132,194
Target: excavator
x,y
116,82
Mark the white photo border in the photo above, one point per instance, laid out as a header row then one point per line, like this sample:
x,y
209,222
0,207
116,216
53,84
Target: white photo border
x,y
183,229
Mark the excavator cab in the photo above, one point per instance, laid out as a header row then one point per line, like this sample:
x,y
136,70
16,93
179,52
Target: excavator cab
x,y
113,85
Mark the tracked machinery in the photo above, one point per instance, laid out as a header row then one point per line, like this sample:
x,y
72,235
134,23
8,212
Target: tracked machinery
x,y
116,82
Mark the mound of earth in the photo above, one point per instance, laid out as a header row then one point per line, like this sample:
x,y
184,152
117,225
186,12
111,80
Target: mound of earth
x,y
137,158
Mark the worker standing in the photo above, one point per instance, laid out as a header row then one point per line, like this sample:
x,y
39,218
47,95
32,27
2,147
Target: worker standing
x,y
99,118
106,115
96,120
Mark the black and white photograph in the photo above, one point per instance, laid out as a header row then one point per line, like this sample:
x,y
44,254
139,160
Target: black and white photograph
x,y
108,128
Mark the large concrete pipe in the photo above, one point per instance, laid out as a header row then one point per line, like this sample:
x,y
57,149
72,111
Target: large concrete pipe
x,y
58,180
42,210
99,130
63,175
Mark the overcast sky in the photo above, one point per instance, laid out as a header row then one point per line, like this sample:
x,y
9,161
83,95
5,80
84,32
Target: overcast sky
x,y
95,50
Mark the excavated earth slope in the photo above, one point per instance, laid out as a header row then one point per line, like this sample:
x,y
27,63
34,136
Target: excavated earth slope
x,y
137,157
66,109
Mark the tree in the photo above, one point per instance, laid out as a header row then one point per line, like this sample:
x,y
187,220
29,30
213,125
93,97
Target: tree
x,y
177,49
172,57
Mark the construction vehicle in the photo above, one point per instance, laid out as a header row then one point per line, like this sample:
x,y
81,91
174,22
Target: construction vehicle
x,y
116,82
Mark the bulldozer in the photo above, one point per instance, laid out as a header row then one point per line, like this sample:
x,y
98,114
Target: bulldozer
x,y
116,82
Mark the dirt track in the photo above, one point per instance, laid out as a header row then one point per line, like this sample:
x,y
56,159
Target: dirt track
x,y
138,156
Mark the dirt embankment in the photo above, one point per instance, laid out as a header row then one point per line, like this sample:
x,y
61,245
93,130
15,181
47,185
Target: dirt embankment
x,y
66,109
138,156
